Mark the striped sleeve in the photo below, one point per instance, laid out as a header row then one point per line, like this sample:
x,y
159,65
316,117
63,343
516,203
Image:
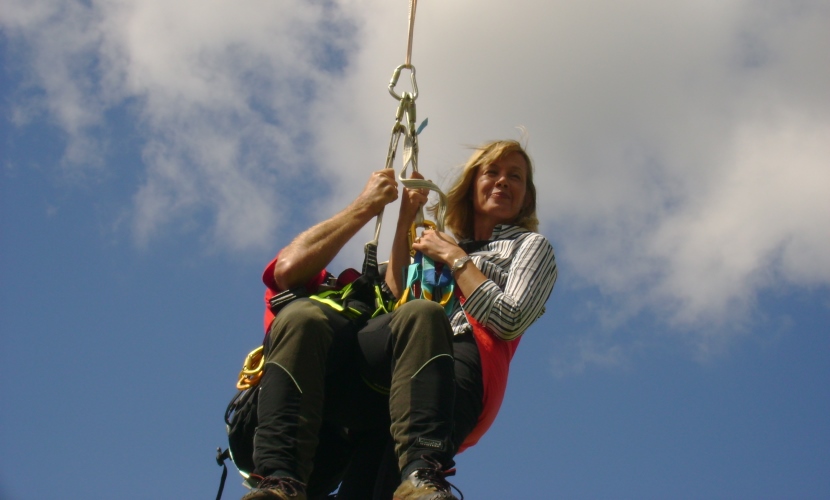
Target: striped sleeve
x,y
513,298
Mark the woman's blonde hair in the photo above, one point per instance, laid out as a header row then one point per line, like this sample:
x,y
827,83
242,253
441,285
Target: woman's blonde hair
x,y
460,212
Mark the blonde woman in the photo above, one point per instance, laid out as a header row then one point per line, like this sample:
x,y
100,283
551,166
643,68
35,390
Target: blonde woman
x,y
504,272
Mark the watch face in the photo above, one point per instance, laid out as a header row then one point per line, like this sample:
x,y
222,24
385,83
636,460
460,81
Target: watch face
x,y
459,263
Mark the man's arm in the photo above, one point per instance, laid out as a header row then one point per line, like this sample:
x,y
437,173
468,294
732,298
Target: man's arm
x,y
315,248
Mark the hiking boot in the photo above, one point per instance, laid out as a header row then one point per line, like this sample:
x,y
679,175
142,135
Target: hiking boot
x,y
277,488
427,484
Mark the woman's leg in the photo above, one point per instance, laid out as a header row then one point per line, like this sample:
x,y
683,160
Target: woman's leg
x,y
469,392
411,356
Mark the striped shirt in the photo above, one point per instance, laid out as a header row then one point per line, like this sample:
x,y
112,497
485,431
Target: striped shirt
x,y
521,270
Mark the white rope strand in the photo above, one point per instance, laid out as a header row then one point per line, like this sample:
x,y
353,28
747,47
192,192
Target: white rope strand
x,y
412,5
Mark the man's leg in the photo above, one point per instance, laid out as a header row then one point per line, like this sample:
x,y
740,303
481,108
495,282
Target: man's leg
x,y
291,391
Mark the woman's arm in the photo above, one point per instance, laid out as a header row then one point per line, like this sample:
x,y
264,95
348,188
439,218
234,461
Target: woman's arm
x,y
441,247
532,274
411,201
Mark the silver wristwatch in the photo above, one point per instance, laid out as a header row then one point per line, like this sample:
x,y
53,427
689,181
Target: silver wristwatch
x,y
459,263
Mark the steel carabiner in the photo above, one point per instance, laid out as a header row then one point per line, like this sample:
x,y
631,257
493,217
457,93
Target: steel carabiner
x,y
394,81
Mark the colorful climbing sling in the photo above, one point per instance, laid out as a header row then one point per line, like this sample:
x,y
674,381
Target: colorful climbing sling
x,y
425,280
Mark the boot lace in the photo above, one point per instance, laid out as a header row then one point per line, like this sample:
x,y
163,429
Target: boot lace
x,y
288,485
436,476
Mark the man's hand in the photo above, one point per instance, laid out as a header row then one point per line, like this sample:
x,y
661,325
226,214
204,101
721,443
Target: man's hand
x,y
315,248
380,190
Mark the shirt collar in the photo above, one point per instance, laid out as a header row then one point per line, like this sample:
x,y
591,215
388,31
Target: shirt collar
x,y
500,232
504,231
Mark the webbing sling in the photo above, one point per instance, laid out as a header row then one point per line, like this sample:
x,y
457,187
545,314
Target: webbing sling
x,y
426,281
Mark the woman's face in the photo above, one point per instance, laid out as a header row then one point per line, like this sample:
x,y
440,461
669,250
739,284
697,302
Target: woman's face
x,y
500,188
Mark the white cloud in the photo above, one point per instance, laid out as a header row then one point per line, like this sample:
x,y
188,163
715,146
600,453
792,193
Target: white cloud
x,y
764,222
681,147
221,90
61,39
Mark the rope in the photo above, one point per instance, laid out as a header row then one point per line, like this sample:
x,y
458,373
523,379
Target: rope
x,y
407,128
412,5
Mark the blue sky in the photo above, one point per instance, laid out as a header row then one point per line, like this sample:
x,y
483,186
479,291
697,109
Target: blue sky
x,y
155,155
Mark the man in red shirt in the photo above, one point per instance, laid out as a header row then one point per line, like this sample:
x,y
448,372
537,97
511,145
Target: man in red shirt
x,y
304,260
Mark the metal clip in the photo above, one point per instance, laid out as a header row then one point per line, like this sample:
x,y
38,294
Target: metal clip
x,y
413,232
251,369
394,81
